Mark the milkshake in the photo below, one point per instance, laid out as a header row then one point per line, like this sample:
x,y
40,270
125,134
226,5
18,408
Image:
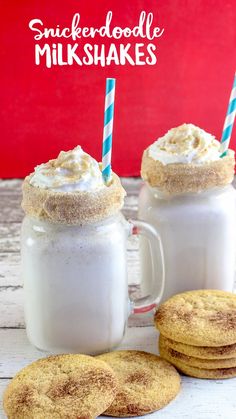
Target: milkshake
x,y
188,196
74,256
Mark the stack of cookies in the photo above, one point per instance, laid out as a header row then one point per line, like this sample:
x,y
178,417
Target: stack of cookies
x,y
198,333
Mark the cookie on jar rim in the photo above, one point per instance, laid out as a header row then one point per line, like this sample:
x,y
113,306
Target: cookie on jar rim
x,y
186,159
70,190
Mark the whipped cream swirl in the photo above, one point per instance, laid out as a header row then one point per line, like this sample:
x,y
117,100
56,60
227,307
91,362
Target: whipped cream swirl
x,y
185,144
71,171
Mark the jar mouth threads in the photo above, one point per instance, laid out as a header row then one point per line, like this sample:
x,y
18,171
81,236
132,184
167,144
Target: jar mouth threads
x,y
80,207
178,178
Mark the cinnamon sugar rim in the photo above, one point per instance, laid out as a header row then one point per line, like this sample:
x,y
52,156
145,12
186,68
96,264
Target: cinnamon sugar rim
x,y
80,207
176,178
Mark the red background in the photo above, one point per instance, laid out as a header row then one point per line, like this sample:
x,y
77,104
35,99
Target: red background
x,y
46,110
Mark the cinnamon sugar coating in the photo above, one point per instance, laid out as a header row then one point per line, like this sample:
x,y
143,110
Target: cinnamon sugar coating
x,y
201,352
199,318
69,386
80,207
179,177
145,382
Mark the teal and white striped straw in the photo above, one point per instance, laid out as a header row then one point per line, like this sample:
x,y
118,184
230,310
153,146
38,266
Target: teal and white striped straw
x,y
108,129
229,121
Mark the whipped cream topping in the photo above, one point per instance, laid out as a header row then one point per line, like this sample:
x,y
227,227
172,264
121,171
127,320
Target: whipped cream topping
x,y
185,144
71,171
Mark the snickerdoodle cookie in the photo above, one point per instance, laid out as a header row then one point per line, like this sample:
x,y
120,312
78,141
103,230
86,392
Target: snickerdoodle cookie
x,y
61,387
145,382
192,361
203,352
199,318
192,371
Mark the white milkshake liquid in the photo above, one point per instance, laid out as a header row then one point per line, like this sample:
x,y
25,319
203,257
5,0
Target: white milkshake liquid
x,y
74,262
189,198
198,232
74,256
75,282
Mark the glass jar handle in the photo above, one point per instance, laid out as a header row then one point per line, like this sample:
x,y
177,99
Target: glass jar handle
x,y
147,303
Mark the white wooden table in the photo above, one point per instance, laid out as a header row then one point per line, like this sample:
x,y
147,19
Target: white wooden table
x,y
198,399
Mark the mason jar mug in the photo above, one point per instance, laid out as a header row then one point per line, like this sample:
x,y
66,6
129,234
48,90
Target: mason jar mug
x,y
75,282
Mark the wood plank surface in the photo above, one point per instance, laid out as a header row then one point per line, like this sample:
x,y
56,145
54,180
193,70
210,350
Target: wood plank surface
x,y
199,399
13,360
11,215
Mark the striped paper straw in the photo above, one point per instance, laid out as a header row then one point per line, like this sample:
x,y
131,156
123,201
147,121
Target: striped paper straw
x,y
108,129
229,121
